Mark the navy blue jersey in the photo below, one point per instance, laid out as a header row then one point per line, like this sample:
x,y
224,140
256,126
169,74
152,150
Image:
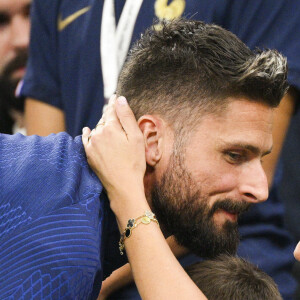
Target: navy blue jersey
x,y
56,227
64,70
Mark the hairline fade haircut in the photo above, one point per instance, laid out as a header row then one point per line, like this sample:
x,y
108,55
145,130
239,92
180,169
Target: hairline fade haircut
x,y
187,68
232,278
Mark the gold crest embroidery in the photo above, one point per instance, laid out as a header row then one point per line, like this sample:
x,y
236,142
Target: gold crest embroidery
x,y
165,11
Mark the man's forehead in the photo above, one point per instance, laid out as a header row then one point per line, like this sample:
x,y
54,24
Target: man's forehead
x,y
242,111
11,6
242,123
246,106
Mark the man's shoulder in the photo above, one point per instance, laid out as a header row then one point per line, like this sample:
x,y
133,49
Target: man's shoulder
x,y
52,168
43,175
50,208
26,146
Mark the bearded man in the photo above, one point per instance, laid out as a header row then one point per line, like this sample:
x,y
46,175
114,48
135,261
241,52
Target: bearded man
x,y
14,41
204,104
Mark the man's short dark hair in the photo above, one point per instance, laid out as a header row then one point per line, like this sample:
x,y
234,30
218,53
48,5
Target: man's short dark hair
x,y
188,65
233,278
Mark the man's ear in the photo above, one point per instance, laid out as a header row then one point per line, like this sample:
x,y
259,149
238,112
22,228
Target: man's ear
x,y
152,128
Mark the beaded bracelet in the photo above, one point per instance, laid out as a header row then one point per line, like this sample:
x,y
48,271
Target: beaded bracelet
x,y
146,218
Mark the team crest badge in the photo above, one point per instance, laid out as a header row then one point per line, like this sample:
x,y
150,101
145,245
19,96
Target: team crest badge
x,y
165,11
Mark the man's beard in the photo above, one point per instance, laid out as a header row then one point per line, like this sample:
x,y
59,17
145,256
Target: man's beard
x,y
179,207
17,63
8,84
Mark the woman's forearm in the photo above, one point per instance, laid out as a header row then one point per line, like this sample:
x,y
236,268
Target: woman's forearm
x,y
156,271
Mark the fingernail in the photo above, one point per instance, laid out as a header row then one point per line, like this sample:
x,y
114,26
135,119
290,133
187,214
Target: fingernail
x,y
84,129
112,99
122,100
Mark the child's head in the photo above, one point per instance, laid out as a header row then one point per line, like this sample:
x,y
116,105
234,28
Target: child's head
x,y
232,278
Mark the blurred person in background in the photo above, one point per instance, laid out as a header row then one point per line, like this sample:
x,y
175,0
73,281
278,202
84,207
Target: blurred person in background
x,y
75,58
14,41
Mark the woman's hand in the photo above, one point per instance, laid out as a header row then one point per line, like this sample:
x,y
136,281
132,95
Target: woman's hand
x,y
115,151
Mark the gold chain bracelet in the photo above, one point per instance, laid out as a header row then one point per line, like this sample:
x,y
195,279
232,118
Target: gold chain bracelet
x,y
146,219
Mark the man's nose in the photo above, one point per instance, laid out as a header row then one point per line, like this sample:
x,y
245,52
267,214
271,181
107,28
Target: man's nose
x,y
20,27
253,183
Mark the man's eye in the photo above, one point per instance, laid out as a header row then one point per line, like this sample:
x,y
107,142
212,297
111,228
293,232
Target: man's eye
x,y
4,19
26,11
234,157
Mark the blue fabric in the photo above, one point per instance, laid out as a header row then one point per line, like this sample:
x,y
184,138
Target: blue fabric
x,y
54,220
64,70
290,187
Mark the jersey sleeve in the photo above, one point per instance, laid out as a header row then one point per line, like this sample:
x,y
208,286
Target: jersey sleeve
x,y
41,81
51,219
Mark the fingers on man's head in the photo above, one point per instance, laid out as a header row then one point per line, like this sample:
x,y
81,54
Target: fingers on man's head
x,y
125,115
110,113
117,114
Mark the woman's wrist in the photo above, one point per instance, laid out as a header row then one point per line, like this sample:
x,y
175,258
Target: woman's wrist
x,y
132,206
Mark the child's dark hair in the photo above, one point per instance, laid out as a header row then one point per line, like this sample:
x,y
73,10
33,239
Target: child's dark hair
x,y
232,278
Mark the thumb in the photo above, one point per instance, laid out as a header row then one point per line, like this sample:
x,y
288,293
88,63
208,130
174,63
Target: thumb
x,y
125,115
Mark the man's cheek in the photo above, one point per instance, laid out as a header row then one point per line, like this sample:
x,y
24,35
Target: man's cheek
x,y
226,182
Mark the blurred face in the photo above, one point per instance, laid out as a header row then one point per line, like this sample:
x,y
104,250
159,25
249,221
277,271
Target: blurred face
x,y
14,37
214,177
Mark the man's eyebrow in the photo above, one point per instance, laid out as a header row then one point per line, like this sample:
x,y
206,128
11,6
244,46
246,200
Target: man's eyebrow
x,y
255,150
27,7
